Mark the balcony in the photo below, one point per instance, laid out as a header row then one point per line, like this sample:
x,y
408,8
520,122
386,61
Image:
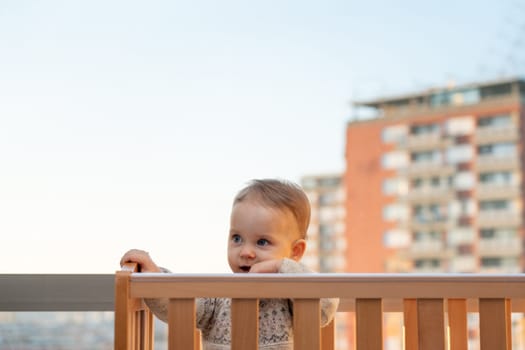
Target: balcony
x,y
464,263
487,191
425,169
429,195
427,249
501,270
438,223
500,247
56,312
425,142
507,133
495,163
412,111
498,218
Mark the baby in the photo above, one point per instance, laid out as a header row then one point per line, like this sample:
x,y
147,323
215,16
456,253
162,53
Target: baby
x,y
268,225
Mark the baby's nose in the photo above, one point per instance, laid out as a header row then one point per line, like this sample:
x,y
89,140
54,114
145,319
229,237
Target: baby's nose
x,y
247,252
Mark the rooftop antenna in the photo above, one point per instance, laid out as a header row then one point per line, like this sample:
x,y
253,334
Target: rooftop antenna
x,y
513,63
506,55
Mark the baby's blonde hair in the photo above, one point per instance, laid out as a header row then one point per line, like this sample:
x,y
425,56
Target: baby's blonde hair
x,y
280,194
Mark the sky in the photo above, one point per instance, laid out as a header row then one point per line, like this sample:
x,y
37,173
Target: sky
x,y
132,124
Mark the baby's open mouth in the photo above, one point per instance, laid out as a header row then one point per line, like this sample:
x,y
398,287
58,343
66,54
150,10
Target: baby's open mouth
x,y
245,268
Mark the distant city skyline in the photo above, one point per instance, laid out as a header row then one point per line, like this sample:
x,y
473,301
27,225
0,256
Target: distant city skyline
x,y
56,330
132,125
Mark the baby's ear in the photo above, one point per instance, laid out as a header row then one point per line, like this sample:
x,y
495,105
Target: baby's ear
x,y
298,249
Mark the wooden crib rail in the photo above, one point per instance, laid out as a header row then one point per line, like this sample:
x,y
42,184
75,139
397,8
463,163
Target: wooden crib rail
x,y
429,303
133,320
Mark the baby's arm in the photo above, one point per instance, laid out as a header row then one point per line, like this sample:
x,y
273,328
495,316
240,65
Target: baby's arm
x,y
159,307
267,266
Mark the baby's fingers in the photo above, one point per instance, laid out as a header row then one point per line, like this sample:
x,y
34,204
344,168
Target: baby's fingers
x,y
135,255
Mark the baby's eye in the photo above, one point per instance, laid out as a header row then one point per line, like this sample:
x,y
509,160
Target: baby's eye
x,y
263,242
236,239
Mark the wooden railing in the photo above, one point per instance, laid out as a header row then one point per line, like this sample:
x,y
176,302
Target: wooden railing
x,y
434,307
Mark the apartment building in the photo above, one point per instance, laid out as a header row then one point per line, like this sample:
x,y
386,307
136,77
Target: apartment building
x,y
435,181
326,250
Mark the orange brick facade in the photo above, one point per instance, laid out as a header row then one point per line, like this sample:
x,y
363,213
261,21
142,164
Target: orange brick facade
x,y
364,176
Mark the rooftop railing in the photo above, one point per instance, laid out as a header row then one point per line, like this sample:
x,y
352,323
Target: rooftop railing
x,y
57,292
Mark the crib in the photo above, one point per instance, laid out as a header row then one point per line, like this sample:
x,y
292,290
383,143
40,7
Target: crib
x,y
434,307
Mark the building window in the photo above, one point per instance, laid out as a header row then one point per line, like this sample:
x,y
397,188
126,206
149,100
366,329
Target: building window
x,y
329,181
394,160
425,129
396,238
327,198
395,212
326,230
440,99
460,236
500,120
426,157
503,149
499,234
426,236
496,178
464,180
494,205
491,262
460,154
395,186
460,126
466,97
426,263
456,97
309,183
496,90
394,134
435,182
417,183
429,213
487,233
327,245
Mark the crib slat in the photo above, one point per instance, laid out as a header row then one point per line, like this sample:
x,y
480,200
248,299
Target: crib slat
x,y
508,314
307,324
143,330
457,321
245,324
136,330
369,324
328,336
431,324
494,324
410,323
181,324
198,340
148,330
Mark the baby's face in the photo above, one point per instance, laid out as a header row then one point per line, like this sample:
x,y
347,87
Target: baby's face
x,y
259,233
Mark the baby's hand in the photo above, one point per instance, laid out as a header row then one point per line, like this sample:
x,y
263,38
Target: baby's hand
x,y
267,266
142,258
